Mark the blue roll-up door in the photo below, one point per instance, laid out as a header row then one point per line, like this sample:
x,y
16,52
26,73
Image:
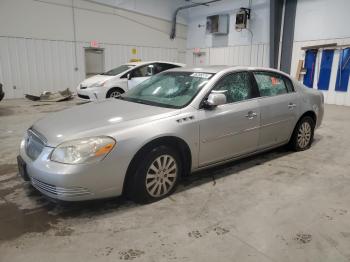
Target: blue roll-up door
x,y
310,61
343,71
325,69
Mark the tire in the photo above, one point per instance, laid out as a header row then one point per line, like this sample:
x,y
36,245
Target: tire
x,y
150,183
303,134
114,92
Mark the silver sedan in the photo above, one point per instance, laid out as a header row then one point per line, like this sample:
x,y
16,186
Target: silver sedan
x,y
169,126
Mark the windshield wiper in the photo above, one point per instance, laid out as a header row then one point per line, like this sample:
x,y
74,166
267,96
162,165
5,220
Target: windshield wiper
x,y
141,102
144,102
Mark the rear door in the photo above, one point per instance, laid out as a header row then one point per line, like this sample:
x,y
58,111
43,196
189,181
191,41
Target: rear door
x,y
279,108
231,129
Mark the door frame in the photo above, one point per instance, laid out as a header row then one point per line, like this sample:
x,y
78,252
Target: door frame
x,y
261,99
97,49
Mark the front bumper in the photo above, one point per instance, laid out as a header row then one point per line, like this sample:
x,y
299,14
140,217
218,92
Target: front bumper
x,y
91,94
74,182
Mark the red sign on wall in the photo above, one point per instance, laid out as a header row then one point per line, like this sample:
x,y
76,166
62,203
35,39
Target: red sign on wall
x,y
197,50
94,44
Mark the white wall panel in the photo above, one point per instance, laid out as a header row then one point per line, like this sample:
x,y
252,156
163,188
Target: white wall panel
x,y
240,55
37,51
259,23
34,65
322,19
155,8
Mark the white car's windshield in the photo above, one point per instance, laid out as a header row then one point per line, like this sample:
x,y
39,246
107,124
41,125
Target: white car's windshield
x,y
170,89
118,70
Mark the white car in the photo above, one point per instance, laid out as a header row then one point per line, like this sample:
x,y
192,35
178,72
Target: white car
x,y
119,80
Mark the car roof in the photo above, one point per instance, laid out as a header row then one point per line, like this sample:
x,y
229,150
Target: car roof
x,y
151,62
218,68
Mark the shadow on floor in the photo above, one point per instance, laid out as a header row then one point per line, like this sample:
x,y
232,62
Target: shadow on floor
x,y
16,222
98,207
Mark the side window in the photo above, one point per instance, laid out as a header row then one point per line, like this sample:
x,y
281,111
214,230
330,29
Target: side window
x,y
144,71
270,84
236,87
160,67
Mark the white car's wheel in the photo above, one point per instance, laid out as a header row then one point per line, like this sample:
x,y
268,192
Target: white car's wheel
x,y
114,92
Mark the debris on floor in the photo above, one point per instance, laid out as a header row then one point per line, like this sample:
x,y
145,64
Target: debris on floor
x,y
47,96
303,238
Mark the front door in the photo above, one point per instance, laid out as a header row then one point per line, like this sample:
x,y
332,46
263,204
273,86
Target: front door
x,y
231,129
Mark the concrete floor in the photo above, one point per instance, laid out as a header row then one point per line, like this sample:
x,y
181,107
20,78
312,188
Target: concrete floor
x,y
278,206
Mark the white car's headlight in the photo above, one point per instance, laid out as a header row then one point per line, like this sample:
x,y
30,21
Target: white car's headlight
x,y
85,150
98,84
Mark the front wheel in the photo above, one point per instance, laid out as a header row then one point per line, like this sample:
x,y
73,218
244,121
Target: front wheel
x,y
114,92
155,176
303,134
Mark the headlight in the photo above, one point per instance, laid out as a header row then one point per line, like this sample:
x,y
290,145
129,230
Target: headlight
x,y
86,150
98,84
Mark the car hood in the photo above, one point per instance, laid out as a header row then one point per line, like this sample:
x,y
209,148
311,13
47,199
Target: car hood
x,y
96,79
95,119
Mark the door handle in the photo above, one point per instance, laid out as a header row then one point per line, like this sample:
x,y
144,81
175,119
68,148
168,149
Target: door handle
x,y
251,115
291,105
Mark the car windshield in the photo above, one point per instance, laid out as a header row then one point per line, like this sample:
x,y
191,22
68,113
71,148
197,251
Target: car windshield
x,y
170,89
118,70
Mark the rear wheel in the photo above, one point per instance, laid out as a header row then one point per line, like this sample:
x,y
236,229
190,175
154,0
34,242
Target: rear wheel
x,y
155,175
303,134
114,92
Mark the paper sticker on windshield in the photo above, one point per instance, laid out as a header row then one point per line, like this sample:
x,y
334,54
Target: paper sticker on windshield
x,y
201,75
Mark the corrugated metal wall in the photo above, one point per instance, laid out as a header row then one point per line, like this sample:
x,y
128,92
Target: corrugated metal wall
x,y
331,96
243,55
37,65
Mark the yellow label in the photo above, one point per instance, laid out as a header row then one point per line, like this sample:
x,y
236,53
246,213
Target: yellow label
x,y
135,60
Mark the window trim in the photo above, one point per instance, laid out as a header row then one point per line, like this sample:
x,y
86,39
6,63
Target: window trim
x,y
291,84
283,77
132,69
251,80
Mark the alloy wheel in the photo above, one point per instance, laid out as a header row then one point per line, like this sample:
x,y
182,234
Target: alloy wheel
x,y
304,134
161,176
115,94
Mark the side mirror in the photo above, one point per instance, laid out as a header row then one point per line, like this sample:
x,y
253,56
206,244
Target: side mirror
x,y
214,99
129,76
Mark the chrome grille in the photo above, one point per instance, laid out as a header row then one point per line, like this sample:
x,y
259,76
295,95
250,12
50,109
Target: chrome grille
x,y
61,191
34,144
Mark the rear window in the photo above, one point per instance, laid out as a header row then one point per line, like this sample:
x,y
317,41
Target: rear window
x,y
164,66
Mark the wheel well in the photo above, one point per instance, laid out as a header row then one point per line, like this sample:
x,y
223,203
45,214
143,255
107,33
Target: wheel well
x,y
177,143
307,113
114,88
310,114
